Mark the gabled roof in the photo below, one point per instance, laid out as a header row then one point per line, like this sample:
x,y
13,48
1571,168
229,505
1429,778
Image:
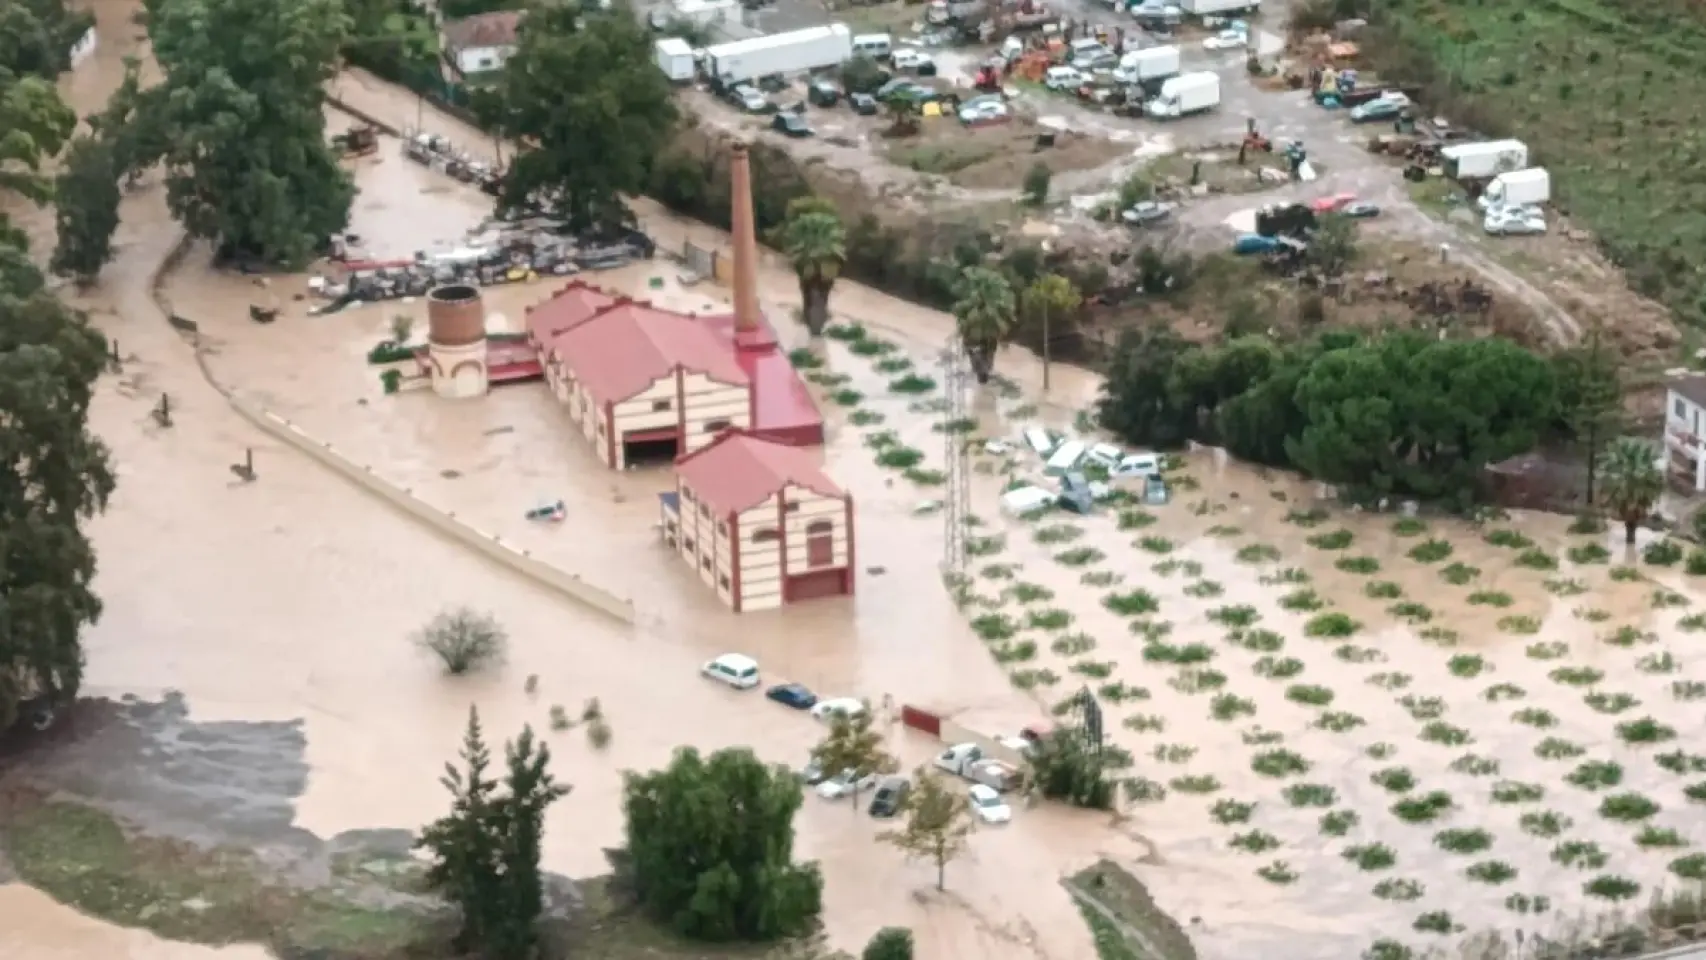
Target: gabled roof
x,y
622,350
495,29
738,471
568,308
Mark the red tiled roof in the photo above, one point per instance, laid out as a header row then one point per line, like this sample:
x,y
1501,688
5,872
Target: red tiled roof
x,y
783,408
622,350
737,471
568,308
495,29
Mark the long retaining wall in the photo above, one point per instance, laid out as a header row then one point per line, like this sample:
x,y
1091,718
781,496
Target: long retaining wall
x,y
362,475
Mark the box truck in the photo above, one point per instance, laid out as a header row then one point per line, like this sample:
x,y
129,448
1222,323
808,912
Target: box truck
x,y
675,59
1185,95
1218,8
1148,66
1518,188
1475,161
797,51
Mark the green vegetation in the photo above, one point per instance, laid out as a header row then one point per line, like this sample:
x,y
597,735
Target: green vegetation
x,y
1362,566
1371,856
1279,873
1491,872
1627,807
1579,854
1440,732
1132,603
1382,590
1230,812
1241,615
1310,795
1257,640
1278,668
1500,692
1555,748
1424,808
1545,824
1401,891
1302,601
1612,888
1309,694
1491,598
1436,921
1408,527
1338,822
1464,840
1127,901
1331,625
1336,540
1466,665
1135,519
1079,557
1058,533
1279,763
1662,553
1430,551
1395,779
1458,574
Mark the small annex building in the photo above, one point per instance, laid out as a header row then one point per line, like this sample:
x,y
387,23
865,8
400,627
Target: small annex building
x,y
641,384
760,522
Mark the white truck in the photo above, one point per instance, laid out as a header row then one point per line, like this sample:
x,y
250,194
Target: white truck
x,y
968,760
1518,188
1184,95
1488,158
1218,8
1153,65
780,54
675,59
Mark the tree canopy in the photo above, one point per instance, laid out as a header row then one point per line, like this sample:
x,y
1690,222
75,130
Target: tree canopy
x,y
711,848
938,822
1396,413
583,88
485,852
248,165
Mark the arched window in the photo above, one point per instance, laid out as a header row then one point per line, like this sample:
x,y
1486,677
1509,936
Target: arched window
x,y
819,527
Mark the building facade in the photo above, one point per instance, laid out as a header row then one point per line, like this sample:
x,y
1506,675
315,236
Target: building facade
x,y
1685,426
480,44
760,523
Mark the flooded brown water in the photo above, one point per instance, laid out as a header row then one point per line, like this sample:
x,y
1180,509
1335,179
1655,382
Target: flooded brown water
x,y
295,596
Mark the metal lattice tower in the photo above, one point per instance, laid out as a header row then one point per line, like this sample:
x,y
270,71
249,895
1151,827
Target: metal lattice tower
x,y
957,510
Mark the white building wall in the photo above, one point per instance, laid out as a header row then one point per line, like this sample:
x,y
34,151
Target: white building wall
x,y
1685,438
483,59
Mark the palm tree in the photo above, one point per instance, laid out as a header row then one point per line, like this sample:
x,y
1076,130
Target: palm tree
x,y
984,315
816,242
1631,481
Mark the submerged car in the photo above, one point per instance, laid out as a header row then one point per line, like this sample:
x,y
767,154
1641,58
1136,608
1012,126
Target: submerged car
x,y
988,805
794,695
1360,211
828,710
844,784
791,125
862,103
1227,40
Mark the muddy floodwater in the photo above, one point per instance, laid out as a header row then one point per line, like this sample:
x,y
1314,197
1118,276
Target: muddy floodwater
x,y
1272,743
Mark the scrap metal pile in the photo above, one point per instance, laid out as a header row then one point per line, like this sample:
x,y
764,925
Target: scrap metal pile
x,y
431,150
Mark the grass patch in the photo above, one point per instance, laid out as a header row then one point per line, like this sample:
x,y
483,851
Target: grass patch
x,y
1302,601
1121,692
1228,707
1052,618
1254,841
912,383
1423,808
1627,807
1204,590
1126,898
1587,553
1371,856
1231,812
1361,566
1132,603
1491,872
1254,553
1579,855
1310,795
1155,544
1290,575
85,858
994,626
1100,578
1094,669
1382,590
1537,559
1278,668
1662,553
1467,665
1079,557
1331,625
1395,779
1535,717
1278,873
865,418
1500,692
1612,703
1309,694
1073,644
1430,551
1508,538
1525,626
1408,527
1512,792
1279,763
1463,840
1557,748
1401,891
1313,517
1338,721
1024,592
899,457
1135,519
1645,731
1029,678
1565,588
1336,540
1445,734
1545,824
1338,822
1491,598
1058,533
1240,615
1422,708
1625,574
1458,574
1613,888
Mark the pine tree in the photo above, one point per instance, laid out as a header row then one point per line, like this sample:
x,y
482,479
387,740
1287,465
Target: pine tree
x,y
464,859
531,790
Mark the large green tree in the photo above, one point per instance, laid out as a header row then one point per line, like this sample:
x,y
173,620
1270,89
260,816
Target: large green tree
x,y
36,36
86,209
984,311
582,87
34,124
1590,398
248,164
54,475
485,852
711,848
1136,402
816,244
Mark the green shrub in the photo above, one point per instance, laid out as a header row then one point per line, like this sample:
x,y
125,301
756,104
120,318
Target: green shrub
x,y
1282,668
1382,590
1588,553
1257,640
1611,888
1254,841
1459,574
1313,517
1661,838
1401,891
994,626
1370,856
1556,748
1536,718
1240,615
1338,822
1491,872
1051,618
1424,808
1422,708
1466,665
1577,676
1230,812
1337,721
1023,592
1255,553
1623,574
846,397
1691,867
1500,692
1612,703
1627,807
1362,566
1079,557
1545,824
1094,669
1559,587
1508,538
1195,784
1519,625
1336,540
1121,692
1645,730
1301,600
1579,854
1310,795
1695,565
1512,791
1331,625
1408,527
1463,840
1662,553
1290,575
1155,544
1279,873
1309,694
1279,763
1132,603
1445,734
1430,551
1351,653
1100,578
1073,644
899,457
1537,559
1395,779
1435,921
1133,519
1058,533
912,383
1204,589
1491,598
1227,707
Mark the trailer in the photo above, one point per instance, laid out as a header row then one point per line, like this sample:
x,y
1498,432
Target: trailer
x,y
794,52
1185,95
1152,65
1218,8
675,59
1489,158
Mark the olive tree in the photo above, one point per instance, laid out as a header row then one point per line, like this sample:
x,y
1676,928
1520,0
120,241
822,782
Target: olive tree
x,y
463,639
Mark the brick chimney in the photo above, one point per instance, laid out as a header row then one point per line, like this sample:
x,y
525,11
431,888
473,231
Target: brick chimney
x,y
750,331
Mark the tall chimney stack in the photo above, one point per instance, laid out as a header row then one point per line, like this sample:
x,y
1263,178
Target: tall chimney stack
x,y
747,313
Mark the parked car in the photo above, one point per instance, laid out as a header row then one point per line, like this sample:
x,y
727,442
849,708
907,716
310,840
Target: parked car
x,y
891,794
811,774
822,93
1387,106
1514,221
1227,40
863,104
794,695
750,99
1147,212
790,125
916,61
828,710
988,805
843,784
1063,78
736,670
1360,211
981,110
1137,465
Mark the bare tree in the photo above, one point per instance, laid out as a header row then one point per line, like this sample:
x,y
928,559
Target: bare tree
x,y
464,639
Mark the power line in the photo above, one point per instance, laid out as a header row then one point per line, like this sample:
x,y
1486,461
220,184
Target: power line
x,y
957,515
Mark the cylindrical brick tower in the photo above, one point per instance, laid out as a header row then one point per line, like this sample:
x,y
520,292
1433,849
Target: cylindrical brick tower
x,y
456,341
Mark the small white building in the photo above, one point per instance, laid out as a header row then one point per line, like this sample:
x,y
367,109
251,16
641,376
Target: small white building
x,y
760,523
1685,426
479,44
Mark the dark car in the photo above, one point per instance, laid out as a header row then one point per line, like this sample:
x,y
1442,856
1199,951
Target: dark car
x,y
822,93
889,795
862,103
791,125
792,695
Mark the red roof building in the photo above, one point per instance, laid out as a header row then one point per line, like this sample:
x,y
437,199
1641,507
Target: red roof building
x,y
760,522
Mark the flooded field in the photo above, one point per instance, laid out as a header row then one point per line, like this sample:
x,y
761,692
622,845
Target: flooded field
x,y
1343,726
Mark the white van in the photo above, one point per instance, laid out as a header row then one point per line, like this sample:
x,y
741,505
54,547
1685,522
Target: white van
x,y
740,672
1038,439
1064,458
1105,454
1063,78
877,46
